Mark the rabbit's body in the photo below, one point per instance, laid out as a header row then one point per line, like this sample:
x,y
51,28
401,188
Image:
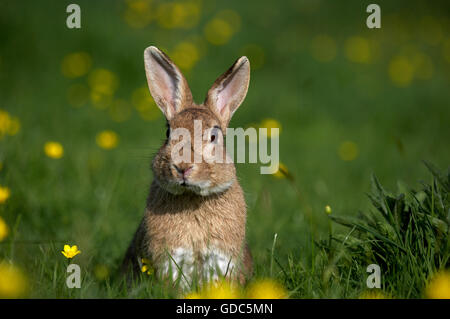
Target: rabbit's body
x,y
195,220
200,233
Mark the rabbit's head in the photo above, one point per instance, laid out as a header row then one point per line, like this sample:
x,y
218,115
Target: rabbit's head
x,y
193,157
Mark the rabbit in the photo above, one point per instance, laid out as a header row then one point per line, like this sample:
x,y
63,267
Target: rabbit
x,y
195,220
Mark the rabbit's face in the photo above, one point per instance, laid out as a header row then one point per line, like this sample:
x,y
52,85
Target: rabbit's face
x,y
193,157
206,168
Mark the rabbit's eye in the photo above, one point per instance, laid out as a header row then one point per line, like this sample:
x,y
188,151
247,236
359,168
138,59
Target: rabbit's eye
x,y
168,132
214,135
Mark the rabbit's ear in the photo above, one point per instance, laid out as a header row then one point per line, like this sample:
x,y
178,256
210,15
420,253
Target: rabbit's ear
x,y
167,85
229,90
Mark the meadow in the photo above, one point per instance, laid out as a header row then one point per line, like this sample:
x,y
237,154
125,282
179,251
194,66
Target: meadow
x,y
78,129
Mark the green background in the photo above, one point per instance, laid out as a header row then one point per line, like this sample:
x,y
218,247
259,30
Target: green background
x,y
388,95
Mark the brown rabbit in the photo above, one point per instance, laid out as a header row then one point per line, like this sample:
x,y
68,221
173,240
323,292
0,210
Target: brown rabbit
x,y
195,219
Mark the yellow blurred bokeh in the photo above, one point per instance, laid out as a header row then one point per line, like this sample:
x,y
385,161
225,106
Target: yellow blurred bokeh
x,y
185,55
103,81
144,103
218,31
9,125
76,64
373,294
439,286
270,124
13,283
348,151
5,193
357,49
53,150
266,289
103,84
282,171
178,14
101,272
401,71
4,230
107,139
138,13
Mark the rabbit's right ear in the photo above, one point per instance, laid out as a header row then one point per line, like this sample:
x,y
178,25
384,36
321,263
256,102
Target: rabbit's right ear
x,y
229,90
167,85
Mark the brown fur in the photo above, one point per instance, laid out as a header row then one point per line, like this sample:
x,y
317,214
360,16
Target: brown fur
x,y
187,219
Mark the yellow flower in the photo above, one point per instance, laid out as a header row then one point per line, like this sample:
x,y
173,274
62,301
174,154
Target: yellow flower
x,y
193,295
328,209
323,48
282,171
266,289
13,283
270,124
4,194
70,252
3,229
107,139
54,150
219,289
222,289
373,294
76,64
439,286
348,151
146,266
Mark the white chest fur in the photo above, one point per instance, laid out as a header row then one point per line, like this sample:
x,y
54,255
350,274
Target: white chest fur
x,y
185,265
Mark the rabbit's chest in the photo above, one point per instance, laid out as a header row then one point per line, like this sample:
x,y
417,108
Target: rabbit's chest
x,y
188,264
193,231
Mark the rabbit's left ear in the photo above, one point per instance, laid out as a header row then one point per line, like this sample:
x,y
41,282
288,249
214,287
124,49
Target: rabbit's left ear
x,y
229,90
167,85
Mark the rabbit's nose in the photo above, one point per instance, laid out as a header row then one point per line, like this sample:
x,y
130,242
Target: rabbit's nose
x,y
185,171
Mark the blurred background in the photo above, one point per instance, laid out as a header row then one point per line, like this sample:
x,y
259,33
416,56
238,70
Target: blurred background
x,y
78,127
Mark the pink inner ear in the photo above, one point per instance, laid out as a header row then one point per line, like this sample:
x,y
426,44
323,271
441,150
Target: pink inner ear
x,y
227,95
165,86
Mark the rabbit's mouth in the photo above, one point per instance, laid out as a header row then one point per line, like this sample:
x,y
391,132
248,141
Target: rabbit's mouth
x,y
202,188
205,188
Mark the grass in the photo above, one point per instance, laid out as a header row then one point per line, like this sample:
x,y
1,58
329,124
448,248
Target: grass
x,y
95,198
